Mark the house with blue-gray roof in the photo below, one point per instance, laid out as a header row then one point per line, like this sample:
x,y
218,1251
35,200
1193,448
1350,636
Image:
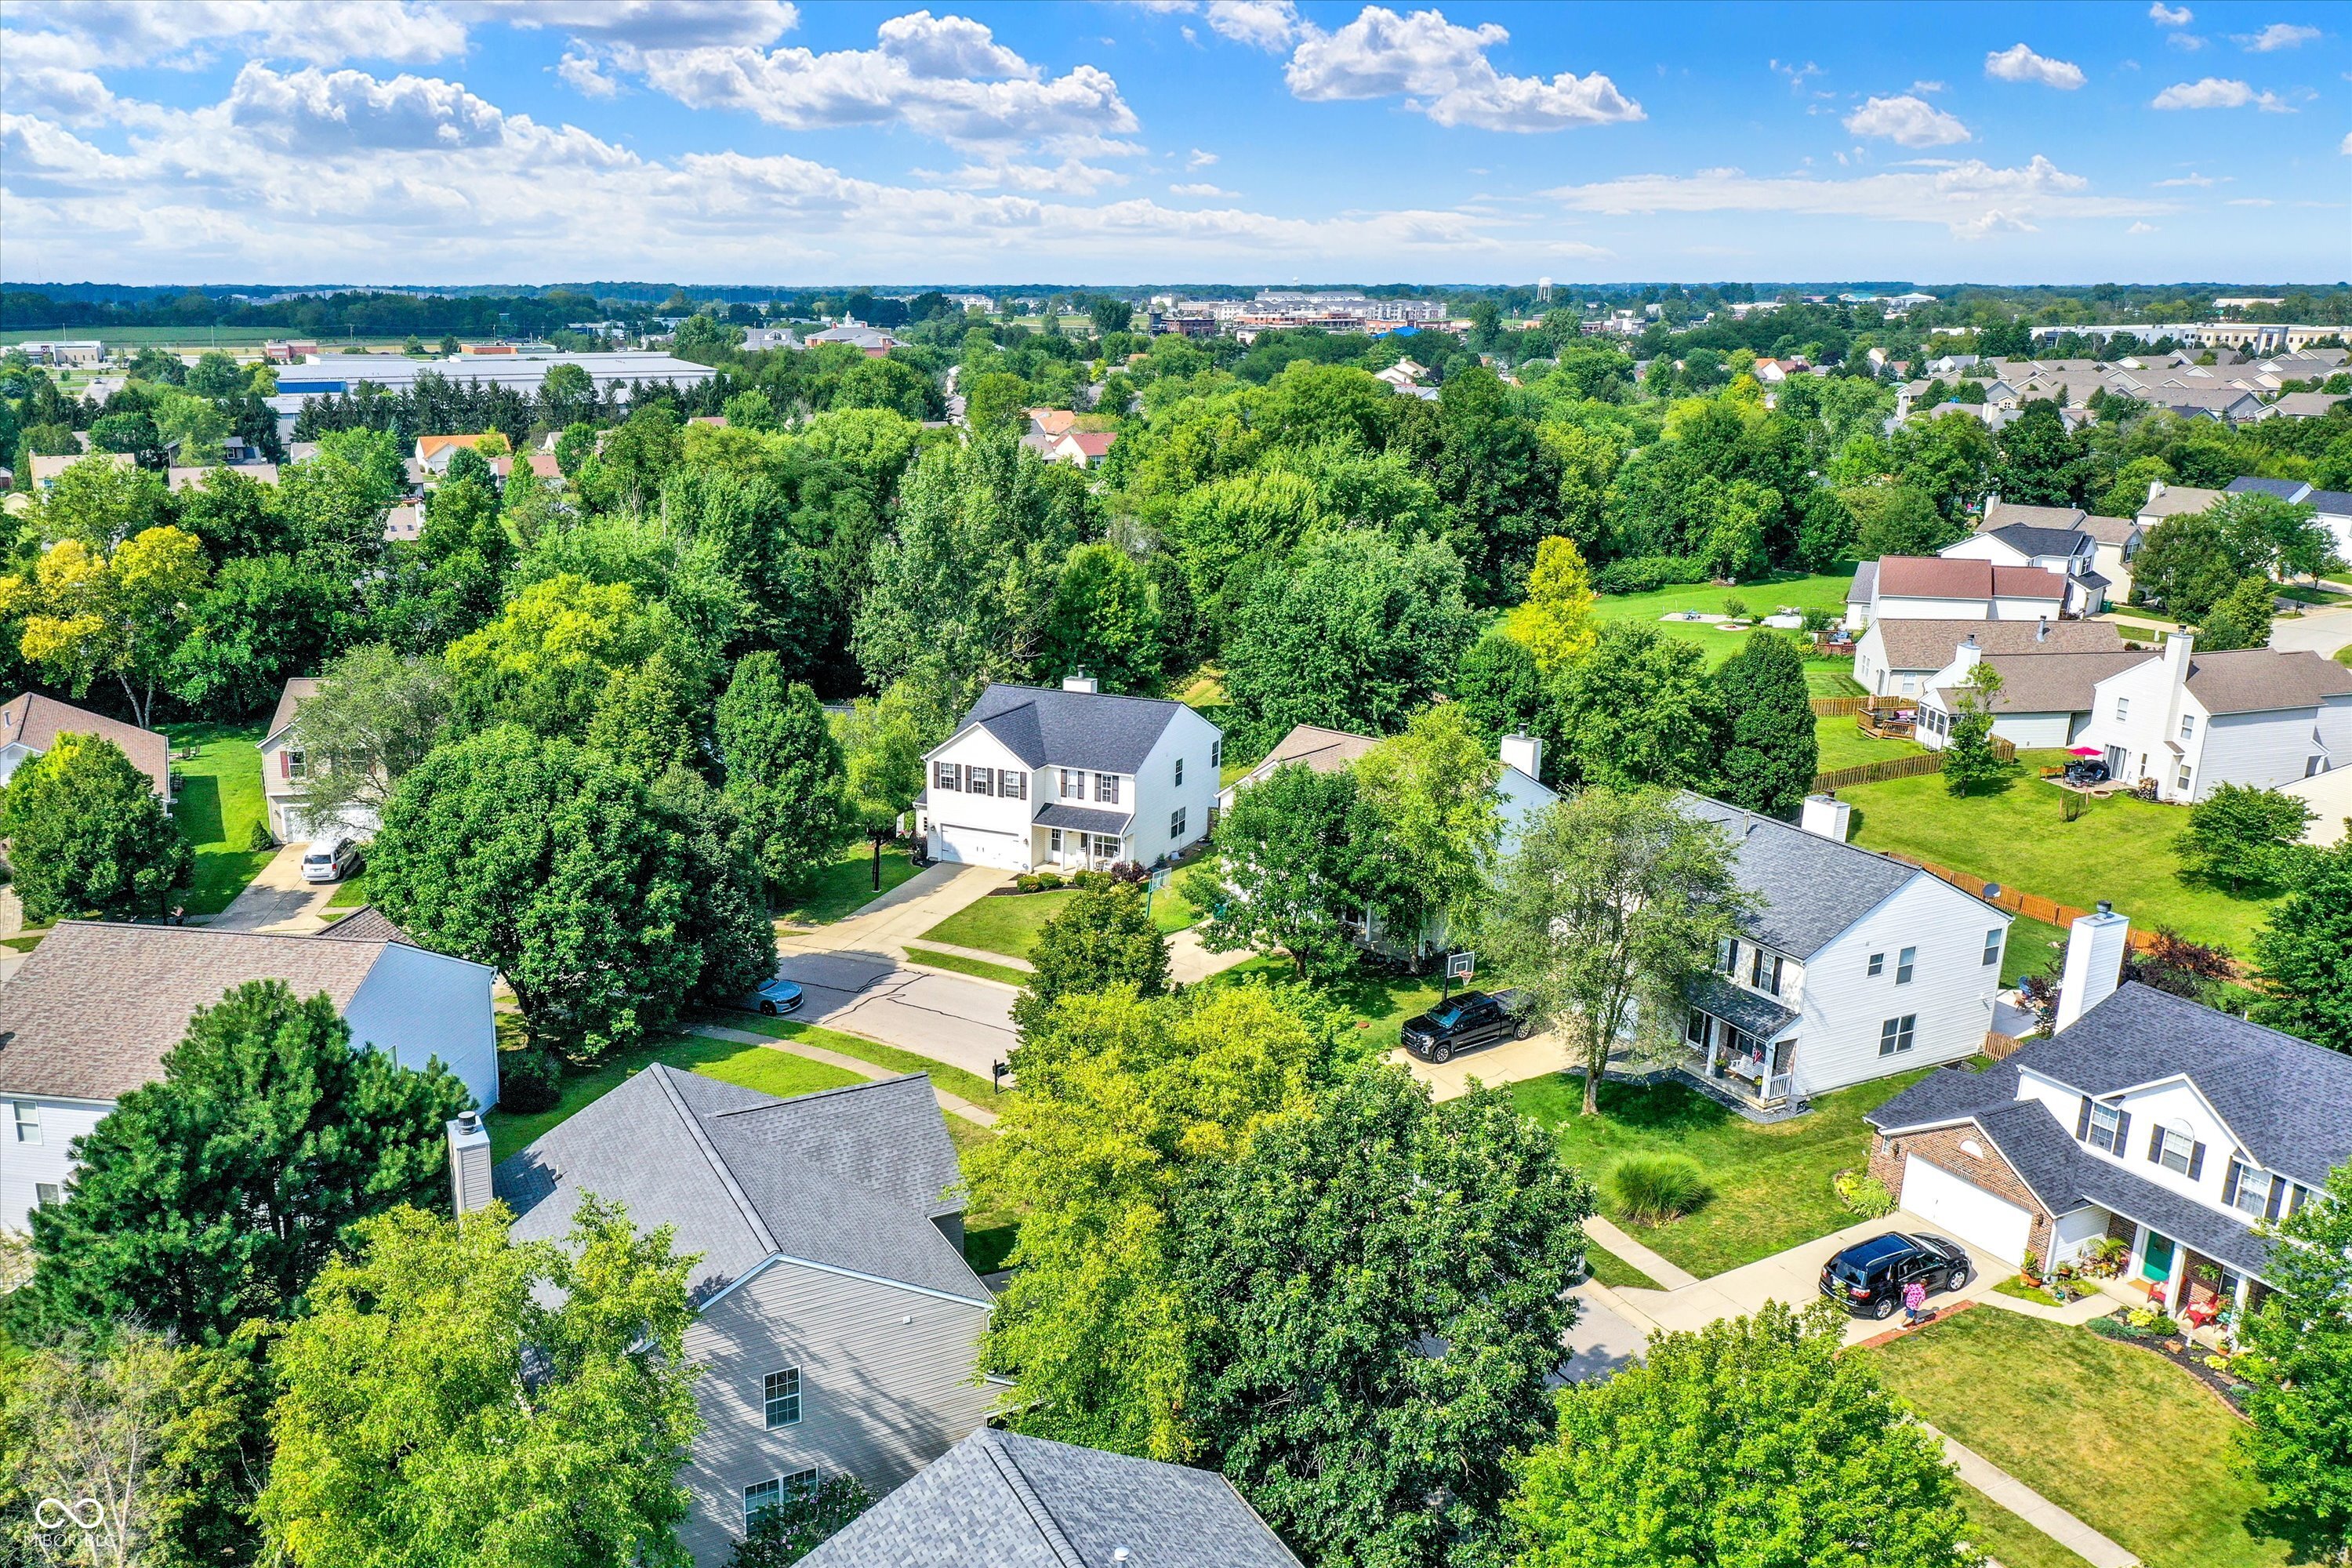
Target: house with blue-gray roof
x,y
1040,778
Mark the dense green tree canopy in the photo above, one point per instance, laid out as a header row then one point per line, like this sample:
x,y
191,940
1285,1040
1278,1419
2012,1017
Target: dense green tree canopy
x,y
87,835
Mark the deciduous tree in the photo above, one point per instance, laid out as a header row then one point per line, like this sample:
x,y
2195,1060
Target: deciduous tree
x,y
87,615
1557,621
1610,903
2300,1362
785,773
1293,865
1770,749
2240,618
375,717
1432,791
216,1193
86,834
2303,953
1640,710
1100,937
2240,833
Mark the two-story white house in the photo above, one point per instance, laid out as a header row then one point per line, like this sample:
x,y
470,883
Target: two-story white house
x,y
286,773
836,1323
1035,778
2192,720
2048,538
30,724
92,1013
2167,1125
1904,658
1853,966
1933,588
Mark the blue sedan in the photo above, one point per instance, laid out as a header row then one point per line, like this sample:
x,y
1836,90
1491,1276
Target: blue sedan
x,y
776,996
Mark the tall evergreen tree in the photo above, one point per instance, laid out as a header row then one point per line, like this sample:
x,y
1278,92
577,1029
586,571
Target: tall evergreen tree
x,y
2303,954
785,773
1770,749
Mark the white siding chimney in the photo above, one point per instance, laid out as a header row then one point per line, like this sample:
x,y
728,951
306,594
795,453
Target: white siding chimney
x,y
2094,963
1828,817
1081,681
470,1163
2179,647
1524,752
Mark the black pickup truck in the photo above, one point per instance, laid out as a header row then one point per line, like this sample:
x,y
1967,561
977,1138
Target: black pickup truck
x,y
1464,1021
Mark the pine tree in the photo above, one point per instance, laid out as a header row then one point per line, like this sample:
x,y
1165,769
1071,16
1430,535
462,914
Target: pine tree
x,y
1771,752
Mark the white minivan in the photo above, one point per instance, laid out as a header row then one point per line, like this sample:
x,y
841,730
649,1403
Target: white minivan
x,y
330,860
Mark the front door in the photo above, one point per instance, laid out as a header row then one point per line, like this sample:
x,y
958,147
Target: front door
x,y
2156,1263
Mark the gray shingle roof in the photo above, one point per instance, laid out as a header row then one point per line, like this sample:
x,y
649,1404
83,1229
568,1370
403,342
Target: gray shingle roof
x,y
1812,888
2262,680
1865,583
2285,490
95,1008
1044,726
2028,539
998,1500
1930,645
1083,818
847,1178
1759,1015
366,923
298,689
2050,682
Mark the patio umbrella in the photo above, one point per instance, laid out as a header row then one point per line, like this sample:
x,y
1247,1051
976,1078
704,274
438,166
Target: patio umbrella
x,y
2084,751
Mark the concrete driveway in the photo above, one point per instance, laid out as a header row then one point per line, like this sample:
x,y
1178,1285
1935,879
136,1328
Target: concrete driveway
x,y
2319,631
1792,1277
1511,1061
277,899
1604,1340
964,1023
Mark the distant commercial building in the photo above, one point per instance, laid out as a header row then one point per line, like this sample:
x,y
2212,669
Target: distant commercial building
x,y
343,373
75,351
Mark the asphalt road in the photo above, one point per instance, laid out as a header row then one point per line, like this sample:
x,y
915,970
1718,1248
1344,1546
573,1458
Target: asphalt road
x,y
964,1023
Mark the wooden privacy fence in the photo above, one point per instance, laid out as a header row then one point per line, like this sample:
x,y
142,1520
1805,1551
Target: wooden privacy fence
x,y
1838,707
2032,905
1898,768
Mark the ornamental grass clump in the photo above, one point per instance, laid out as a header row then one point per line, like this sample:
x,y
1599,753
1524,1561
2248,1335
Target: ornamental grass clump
x,y
1654,1188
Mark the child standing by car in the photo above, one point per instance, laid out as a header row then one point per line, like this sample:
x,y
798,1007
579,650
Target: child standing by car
x,y
1914,1301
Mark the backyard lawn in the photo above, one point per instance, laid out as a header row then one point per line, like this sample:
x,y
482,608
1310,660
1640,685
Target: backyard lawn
x,y
1771,1181
2033,946
1843,745
1008,924
775,1072
2120,849
848,885
219,805
2124,1440
1824,591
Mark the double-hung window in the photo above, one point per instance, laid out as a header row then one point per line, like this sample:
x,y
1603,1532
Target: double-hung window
x,y
28,1122
1894,1035
2246,1189
2187,726
1764,971
292,764
1878,964
780,1393
2176,1149
1217,752
760,1497
1176,824
2181,781
2123,709
981,780
47,1195
1073,784
1180,773
1106,788
1013,783
2105,1130
1992,947
947,776
1903,965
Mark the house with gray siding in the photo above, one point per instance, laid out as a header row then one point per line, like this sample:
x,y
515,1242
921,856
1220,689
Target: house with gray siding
x,y
94,1009
1004,1501
837,1325
1852,966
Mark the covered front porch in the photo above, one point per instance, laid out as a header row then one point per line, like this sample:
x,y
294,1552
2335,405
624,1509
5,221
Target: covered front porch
x,y
2209,1296
1737,1044
1078,838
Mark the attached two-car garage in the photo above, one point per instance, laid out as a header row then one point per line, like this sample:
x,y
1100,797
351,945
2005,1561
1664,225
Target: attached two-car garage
x,y
1983,1221
978,847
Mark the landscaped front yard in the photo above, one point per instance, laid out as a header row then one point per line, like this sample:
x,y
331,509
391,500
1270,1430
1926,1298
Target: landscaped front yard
x,y
848,885
1771,1181
1006,923
219,804
2124,1440
770,1071
2121,849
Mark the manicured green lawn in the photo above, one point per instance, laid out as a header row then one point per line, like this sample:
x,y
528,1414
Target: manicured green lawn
x,y
219,802
954,1079
2121,849
1825,592
1771,1181
1009,924
349,893
1171,911
2009,1540
978,968
1843,745
2124,1440
1614,1272
2344,654
1381,1003
848,885
1830,677
770,1071
2034,945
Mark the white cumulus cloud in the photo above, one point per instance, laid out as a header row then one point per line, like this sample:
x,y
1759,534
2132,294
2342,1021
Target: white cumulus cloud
x,y
1269,25
180,34
1199,188
1985,225
1910,121
1200,160
2021,64
2277,36
651,24
2217,92
2141,228
1442,70
2164,16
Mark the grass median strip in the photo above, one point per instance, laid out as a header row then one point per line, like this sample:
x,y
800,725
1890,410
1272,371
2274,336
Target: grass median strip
x,y
978,968
1614,1272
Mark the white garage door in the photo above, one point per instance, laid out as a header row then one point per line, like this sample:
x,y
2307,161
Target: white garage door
x,y
973,846
1966,1212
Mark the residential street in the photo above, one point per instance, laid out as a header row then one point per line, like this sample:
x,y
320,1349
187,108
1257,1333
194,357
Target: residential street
x,y
2317,631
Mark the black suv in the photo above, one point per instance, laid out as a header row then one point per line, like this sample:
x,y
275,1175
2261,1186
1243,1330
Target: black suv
x,y
1867,1278
1462,1021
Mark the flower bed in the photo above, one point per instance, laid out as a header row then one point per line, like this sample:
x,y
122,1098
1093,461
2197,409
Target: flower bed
x,y
2177,1349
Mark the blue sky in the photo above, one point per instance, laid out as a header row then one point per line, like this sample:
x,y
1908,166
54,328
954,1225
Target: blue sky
x,y
754,141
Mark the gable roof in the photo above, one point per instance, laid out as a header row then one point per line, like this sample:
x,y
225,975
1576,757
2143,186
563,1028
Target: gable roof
x,y
2177,499
1938,577
95,1008
2285,490
1864,583
1813,889
366,923
1009,1502
1048,725
1322,751
2030,539
300,688
2262,680
34,722
2111,530
1930,645
849,1179
2051,682
2289,1100
2002,514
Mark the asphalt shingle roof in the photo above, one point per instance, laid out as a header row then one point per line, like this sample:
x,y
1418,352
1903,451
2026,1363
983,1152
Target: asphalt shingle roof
x,y
1940,577
1812,888
366,923
1757,1014
94,1008
1083,818
2028,539
300,688
2285,490
1044,726
998,1500
2002,515
847,1178
2050,682
1865,583
35,721
1931,645
2262,680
